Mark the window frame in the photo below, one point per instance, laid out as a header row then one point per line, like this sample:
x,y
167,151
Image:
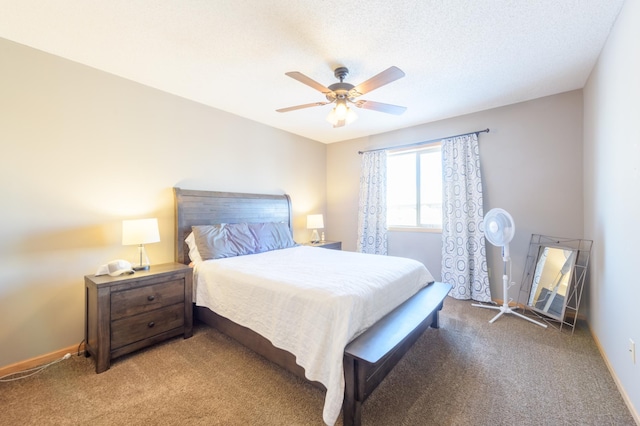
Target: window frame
x,y
416,150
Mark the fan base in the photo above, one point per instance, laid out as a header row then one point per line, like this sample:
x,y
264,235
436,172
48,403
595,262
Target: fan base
x,y
505,309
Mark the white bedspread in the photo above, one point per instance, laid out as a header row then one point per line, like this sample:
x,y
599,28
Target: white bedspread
x,y
309,301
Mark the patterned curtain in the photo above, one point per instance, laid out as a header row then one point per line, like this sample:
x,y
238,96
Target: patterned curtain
x,y
372,205
464,262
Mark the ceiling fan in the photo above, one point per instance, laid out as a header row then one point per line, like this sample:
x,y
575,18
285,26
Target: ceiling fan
x,y
342,93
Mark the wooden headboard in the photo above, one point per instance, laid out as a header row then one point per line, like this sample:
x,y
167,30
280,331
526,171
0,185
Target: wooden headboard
x,y
210,207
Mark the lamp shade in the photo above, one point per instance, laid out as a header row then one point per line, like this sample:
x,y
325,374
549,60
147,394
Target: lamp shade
x,y
315,221
341,112
140,231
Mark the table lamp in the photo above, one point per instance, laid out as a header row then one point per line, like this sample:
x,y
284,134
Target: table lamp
x,y
140,232
315,222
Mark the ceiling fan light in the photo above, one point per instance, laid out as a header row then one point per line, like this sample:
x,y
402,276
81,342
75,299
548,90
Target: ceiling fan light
x,y
341,112
332,118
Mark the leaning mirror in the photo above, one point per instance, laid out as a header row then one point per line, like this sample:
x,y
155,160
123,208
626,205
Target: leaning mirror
x,y
551,281
554,277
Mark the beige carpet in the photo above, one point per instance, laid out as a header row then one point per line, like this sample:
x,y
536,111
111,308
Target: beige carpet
x,y
468,372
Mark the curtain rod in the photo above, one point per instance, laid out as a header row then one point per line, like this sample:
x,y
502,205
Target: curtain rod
x,y
424,142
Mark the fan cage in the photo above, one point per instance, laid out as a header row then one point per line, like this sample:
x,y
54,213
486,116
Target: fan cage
x,y
506,231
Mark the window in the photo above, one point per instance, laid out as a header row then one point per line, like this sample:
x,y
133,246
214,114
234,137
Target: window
x,y
414,188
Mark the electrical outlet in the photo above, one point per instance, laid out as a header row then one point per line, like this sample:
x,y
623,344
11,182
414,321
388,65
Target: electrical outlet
x,y
632,350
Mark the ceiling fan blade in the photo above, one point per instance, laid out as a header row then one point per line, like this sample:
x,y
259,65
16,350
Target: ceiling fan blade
x,y
385,77
379,106
293,108
308,81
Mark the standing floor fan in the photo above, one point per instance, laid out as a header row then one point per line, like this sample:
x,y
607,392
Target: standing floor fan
x,y
499,229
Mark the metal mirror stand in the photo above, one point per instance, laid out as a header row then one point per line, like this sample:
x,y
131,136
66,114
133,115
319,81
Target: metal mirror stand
x,y
553,279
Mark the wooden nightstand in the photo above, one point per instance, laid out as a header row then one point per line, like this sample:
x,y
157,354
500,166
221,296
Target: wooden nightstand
x,y
130,312
334,245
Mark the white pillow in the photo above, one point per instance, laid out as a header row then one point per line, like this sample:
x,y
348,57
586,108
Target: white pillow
x,y
194,254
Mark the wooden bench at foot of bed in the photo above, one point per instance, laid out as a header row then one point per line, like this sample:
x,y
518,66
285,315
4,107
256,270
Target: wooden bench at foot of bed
x,y
373,354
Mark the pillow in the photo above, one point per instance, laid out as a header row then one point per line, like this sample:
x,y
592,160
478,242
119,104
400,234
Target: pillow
x,y
271,236
194,254
224,240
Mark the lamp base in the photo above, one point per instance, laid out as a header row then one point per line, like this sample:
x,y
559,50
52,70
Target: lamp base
x,y
140,268
315,238
143,260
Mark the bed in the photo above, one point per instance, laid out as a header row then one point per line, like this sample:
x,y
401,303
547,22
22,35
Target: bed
x,y
380,340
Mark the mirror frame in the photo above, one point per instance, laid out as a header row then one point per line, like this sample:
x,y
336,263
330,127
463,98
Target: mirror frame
x,y
581,251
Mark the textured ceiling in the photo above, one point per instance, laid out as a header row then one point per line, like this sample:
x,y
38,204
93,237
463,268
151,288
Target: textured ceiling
x,y
459,56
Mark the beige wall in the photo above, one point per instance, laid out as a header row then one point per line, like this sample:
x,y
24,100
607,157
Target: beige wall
x,y
612,203
82,150
531,164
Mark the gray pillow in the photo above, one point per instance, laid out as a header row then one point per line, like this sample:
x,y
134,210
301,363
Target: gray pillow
x,y
272,236
224,240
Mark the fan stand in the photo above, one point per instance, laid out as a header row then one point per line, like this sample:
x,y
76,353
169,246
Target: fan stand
x,y
505,308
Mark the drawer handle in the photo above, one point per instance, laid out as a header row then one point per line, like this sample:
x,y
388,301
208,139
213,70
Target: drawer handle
x,y
151,298
151,324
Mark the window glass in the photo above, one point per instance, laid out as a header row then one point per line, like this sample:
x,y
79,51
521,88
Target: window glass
x,y
431,189
414,188
401,190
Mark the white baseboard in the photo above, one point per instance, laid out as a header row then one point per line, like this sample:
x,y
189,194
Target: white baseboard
x,y
625,397
40,360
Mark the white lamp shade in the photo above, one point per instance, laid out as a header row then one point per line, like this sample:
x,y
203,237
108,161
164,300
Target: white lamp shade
x,y
341,112
315,221
140,231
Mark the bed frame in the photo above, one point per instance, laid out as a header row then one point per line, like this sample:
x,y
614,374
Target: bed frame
x,y
368,358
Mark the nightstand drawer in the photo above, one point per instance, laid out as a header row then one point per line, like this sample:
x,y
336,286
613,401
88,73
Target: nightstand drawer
x,y
139,327
145,299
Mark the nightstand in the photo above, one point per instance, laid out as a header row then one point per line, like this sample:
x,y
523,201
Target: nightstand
x,y
130,312
334,245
